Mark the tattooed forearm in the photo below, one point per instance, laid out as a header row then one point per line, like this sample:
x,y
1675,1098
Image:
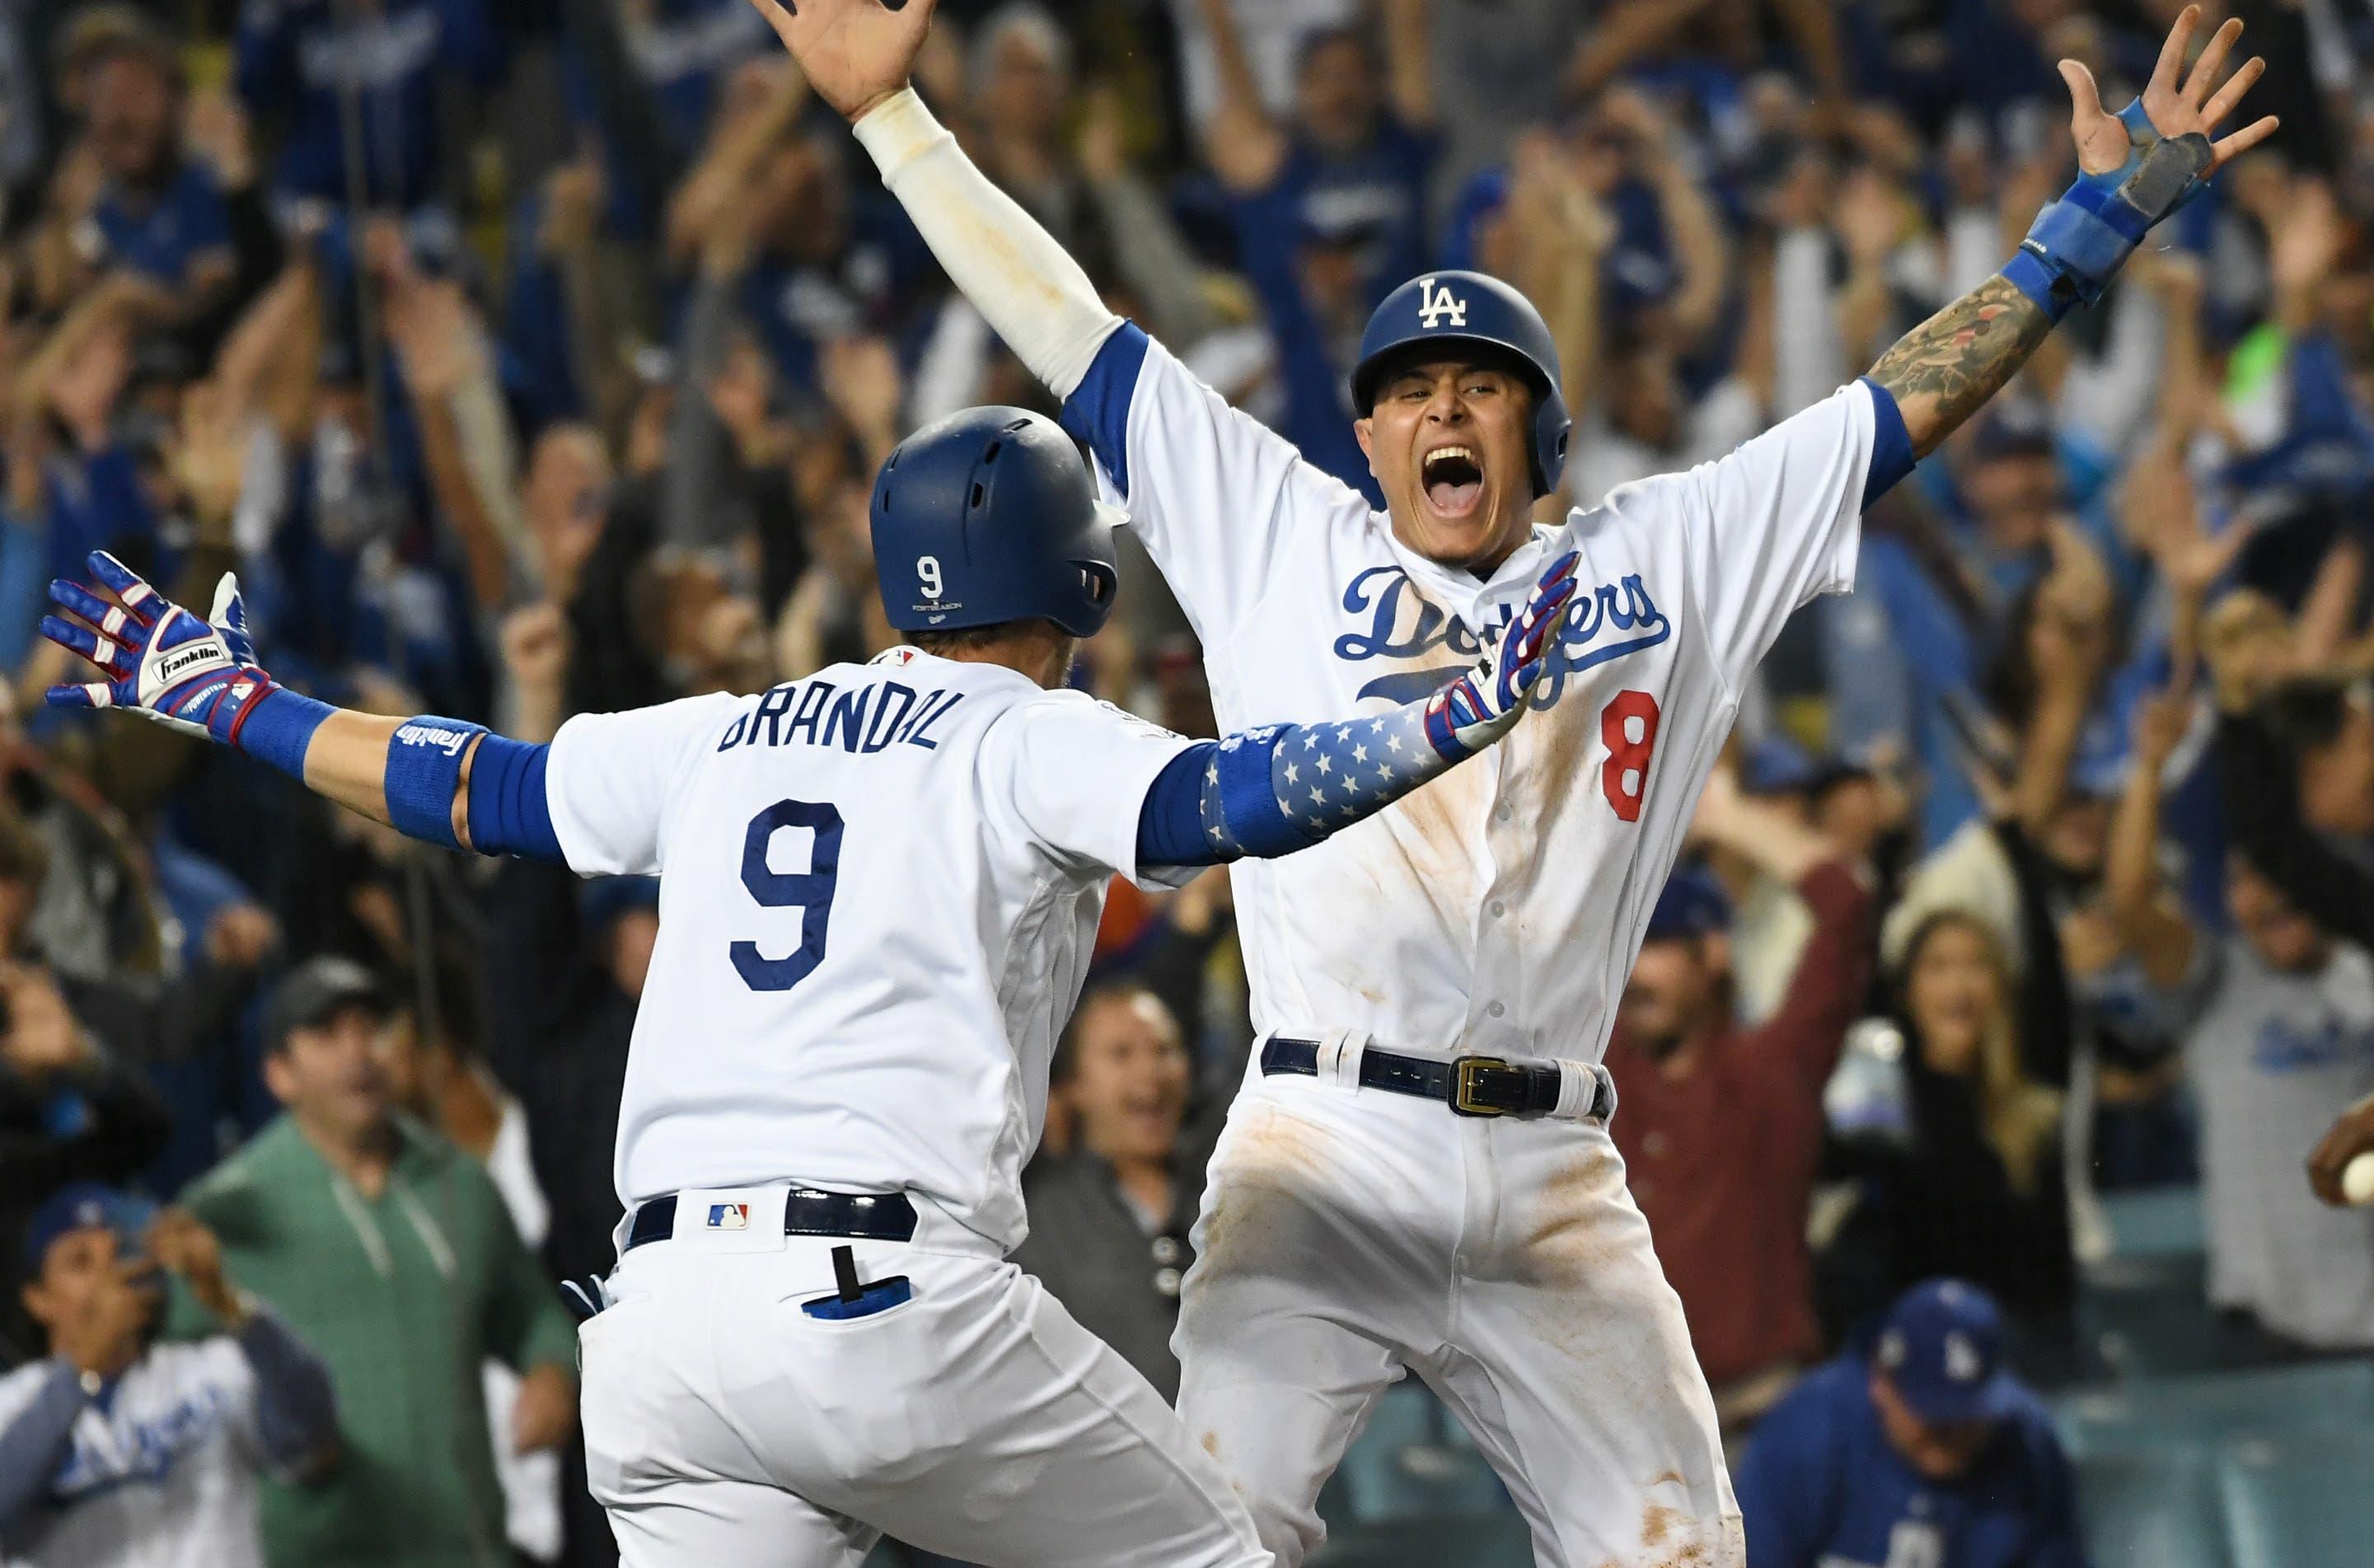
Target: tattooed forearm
x,y
1943,369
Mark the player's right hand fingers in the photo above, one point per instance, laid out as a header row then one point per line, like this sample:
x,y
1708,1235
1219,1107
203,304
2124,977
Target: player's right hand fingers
x,y
95,694
123,582
103,651
109,620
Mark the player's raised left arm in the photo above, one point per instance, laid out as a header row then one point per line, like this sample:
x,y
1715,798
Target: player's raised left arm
x,y
202,677
2136,167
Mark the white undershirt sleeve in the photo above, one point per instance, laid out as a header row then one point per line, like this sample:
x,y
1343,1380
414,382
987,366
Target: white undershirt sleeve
x,y
1039,299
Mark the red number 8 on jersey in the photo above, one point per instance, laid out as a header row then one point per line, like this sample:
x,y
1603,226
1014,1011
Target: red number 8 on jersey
x,y
1628,728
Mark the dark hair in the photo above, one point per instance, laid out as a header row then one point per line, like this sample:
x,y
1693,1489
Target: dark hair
x,y
2307,714
972,639
1067,1045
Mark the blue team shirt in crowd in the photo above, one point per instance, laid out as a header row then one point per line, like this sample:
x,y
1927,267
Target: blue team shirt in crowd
x,y
297,59
1822,1486
1379,195
161,233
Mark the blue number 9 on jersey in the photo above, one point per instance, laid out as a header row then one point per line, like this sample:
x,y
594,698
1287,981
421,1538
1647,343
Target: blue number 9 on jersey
x,y
809,891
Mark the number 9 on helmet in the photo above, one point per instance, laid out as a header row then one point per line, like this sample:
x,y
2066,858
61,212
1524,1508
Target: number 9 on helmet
x,y
990,516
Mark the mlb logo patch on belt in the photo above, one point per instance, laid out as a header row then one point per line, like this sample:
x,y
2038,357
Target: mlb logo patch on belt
x,y
729,1216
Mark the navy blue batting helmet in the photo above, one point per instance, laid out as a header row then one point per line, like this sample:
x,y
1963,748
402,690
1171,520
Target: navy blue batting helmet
x,y
989,516
1449,309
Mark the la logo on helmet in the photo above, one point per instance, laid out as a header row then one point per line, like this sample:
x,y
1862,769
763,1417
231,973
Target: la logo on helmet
x,y
1437,304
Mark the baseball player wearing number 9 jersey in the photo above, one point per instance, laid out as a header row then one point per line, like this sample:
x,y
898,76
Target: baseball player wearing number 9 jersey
x,y
1418,1176
879,886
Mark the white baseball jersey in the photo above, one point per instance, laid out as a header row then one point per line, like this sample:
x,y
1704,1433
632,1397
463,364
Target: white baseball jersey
x,y
1500,907
164,1477
879,891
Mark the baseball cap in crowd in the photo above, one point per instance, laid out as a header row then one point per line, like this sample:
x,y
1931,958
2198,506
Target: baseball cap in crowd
x,y
1777,766
318,990
1693,905
2012,428
1942,1349
84,1206
98,32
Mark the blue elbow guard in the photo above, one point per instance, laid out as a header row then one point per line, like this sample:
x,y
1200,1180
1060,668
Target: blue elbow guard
x,y
424,773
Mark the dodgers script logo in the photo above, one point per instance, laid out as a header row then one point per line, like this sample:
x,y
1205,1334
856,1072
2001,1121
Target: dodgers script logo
x,y
1437,304
1402,625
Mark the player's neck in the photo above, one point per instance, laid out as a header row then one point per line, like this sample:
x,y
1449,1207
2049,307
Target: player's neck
x,y
1480,564
1045,656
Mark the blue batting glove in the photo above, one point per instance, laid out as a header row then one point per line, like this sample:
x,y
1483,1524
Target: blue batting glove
x,y
161,661
1484,704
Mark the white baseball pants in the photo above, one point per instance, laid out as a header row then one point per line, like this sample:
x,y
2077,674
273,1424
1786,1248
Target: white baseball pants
x,y
1350,1235
724,1425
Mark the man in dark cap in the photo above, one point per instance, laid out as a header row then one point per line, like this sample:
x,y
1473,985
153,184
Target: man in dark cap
x,y
1923,1449
390,1250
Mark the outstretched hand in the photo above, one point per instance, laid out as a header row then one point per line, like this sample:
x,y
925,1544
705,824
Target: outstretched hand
x,y
160,660
2175,107
854,52
1484,704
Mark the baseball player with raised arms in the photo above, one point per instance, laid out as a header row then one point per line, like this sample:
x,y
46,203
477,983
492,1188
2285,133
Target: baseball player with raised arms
x,y
1418,1176
879,886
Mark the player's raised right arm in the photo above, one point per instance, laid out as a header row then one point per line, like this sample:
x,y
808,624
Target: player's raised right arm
x,y
857,55
442,780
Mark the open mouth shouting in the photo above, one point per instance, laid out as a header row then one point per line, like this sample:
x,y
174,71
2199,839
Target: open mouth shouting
x,y
1452,478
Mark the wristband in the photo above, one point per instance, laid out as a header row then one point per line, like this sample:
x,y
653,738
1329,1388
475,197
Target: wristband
x,y
423,774
277,726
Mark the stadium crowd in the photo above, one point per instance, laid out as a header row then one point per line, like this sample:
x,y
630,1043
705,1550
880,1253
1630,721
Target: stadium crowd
x,y
467,333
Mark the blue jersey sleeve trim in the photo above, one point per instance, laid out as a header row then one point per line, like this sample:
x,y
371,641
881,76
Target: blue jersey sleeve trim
x,y
510,814
1891,445
1170,824
1098,410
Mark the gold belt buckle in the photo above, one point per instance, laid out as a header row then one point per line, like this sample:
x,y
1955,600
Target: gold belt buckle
x,y
1466,1074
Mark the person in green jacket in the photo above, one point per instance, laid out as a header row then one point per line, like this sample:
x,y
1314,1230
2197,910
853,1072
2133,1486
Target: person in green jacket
x,y
390,1252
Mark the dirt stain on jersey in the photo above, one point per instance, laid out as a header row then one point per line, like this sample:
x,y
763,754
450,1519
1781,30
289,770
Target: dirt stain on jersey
x,y
1268,1165
1571,1239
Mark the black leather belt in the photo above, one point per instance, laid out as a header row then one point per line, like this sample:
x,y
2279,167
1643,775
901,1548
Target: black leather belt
x,y
806,1212
1470,1085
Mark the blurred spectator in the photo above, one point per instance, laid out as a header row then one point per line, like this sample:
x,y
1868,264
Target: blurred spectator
x,y
315,69
436,1075
2278,1022
1923,1449
393,1255
1977,1187
1720,1126
157,214
69,1111
117,1450
1108,1221
1330,203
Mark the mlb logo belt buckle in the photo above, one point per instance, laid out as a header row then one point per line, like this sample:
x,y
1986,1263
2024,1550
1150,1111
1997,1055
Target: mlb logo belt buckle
x,y
1471,1080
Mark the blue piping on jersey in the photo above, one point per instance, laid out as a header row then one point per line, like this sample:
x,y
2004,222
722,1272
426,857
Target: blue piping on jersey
x,y
1891,445
1098,410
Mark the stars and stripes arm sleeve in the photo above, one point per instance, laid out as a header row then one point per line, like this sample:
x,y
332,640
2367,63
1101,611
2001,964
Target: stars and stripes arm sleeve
x,y
1267,792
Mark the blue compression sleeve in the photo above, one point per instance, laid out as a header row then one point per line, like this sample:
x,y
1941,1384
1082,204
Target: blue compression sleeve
x,y
508,811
